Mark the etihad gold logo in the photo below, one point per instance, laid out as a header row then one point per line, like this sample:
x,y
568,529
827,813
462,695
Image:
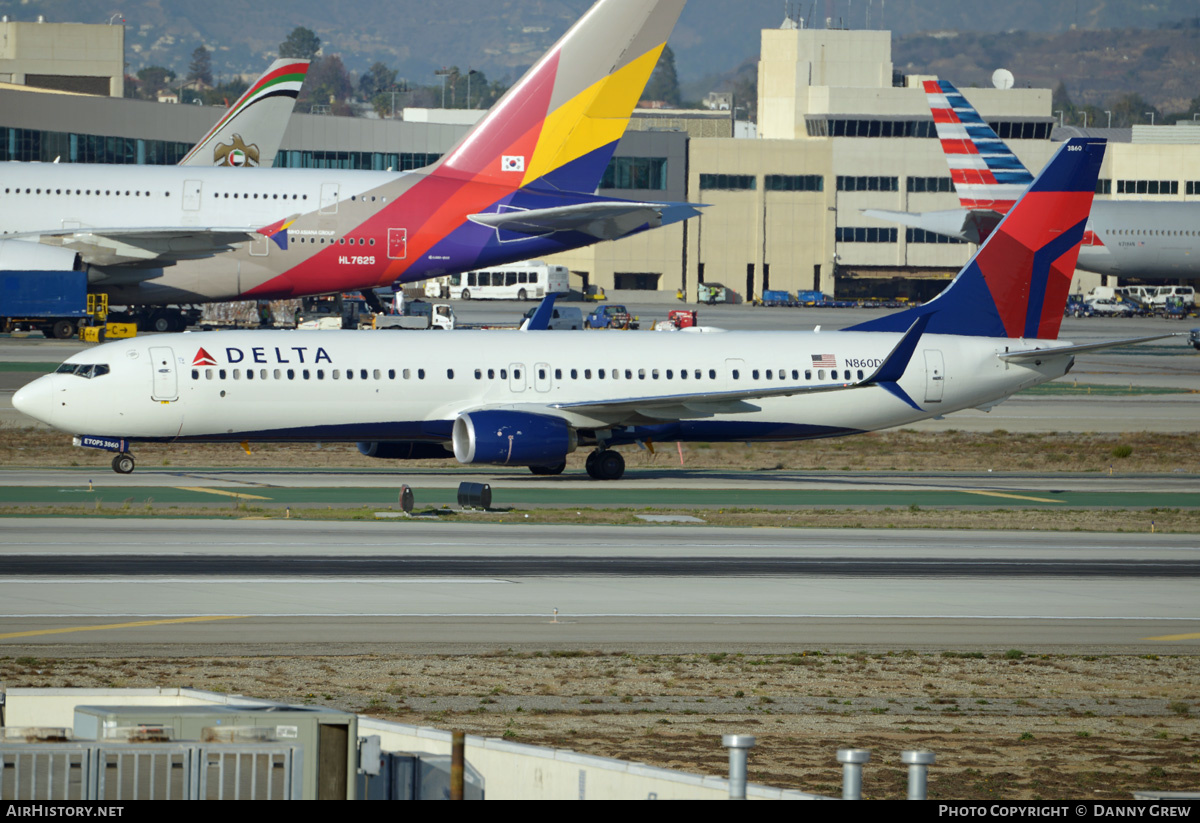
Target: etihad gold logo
x,y
237,153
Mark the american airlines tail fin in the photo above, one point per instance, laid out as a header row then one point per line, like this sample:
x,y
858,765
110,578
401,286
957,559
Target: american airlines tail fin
x,y
252,129
1016,285
557,128
986,173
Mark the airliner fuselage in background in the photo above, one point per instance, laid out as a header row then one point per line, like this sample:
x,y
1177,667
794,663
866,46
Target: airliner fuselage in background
x,y
520,184
1151,239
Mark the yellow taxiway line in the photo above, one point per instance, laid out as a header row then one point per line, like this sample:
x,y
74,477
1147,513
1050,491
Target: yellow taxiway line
x,y
138,624
203,490
1169,637
1011,496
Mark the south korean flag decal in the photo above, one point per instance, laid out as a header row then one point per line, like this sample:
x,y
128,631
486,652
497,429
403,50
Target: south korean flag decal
x,y
512,162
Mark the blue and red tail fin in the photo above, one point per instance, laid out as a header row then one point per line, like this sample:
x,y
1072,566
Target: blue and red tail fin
x,y
986,173
1016,285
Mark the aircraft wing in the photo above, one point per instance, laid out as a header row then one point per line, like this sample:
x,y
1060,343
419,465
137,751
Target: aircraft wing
x,y
151,247
1040,354
603,220
659,408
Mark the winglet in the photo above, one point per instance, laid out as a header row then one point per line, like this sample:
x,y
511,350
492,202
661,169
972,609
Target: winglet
x,y
887,376
541,318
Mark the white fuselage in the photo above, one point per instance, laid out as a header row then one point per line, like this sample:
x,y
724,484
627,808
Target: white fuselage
x,y
39,197
380,385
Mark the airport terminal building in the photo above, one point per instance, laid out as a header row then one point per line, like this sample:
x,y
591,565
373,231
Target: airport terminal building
x,y
838,132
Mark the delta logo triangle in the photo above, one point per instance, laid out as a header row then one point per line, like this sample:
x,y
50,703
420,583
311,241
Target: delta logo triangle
x,y
203,358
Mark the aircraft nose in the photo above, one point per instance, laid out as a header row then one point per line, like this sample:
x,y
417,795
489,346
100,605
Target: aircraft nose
x,y
36,399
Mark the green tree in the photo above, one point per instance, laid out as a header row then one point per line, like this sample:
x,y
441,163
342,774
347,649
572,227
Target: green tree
x,y
201,66
153,80
1130,109
328,84
301,44
664,82
376,80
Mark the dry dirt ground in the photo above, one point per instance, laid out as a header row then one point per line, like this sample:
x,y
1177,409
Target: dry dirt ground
x,y
896,450
1004,726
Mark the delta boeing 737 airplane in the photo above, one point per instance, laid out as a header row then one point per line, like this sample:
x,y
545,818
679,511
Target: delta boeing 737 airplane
x,y
1127,238
525,399
520,185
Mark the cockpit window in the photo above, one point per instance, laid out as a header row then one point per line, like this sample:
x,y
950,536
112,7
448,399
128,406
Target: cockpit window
x,y
86,370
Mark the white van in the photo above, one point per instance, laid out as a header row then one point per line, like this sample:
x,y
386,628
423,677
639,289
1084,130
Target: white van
x,y
530,280
1164,294
563,317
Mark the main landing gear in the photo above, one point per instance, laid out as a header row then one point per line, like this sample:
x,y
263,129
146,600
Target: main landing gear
x,y
549,470
123,463
605,464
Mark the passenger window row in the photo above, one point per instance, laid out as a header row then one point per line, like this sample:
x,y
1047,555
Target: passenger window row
x,y
492,374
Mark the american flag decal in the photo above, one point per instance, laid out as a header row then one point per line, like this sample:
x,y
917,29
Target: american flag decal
x,y
824,361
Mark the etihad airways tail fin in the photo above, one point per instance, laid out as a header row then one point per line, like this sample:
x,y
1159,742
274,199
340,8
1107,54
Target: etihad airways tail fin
x,y
251,131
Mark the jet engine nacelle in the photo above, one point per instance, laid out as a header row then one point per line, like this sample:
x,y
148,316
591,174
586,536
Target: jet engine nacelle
x,y
26,255
404,450
512,438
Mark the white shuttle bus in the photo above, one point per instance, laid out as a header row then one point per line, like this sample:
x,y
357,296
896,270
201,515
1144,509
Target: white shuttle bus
x,y
531,280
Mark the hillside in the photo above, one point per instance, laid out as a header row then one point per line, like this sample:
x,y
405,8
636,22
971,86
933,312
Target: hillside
x,y
502,37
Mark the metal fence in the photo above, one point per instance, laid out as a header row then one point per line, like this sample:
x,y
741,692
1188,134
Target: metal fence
x,y
150,771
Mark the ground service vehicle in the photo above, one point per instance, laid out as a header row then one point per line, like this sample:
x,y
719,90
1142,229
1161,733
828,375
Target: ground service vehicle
x,y
53,302
562,317
611,316
530,280
417,315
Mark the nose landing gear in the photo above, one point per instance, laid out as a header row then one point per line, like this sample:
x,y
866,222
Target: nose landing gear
x,y
123,463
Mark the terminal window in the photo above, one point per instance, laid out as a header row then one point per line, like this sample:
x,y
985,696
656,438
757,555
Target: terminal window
x,y
868,183
865,234
729,182
922,236
1147,187
642,173
930,184
795,182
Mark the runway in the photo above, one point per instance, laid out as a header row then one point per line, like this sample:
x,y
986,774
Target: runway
x,y
186,587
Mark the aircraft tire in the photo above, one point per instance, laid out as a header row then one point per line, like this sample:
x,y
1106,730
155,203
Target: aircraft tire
x,y
610,465
123,463
549,470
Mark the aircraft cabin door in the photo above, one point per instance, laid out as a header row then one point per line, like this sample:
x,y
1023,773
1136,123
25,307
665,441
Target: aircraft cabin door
x,y
259,244
329,198
935,376
516,377
191,195
166,384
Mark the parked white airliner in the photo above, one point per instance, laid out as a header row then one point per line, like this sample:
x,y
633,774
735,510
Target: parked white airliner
x,y
522,398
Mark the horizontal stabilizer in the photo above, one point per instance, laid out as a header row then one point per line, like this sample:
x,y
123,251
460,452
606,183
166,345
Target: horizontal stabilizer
x,y
971,225
602,220
1039,354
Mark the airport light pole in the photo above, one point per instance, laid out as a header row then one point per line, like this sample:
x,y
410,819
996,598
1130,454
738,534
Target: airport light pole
x,y
1151,117
1109,113
443,73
